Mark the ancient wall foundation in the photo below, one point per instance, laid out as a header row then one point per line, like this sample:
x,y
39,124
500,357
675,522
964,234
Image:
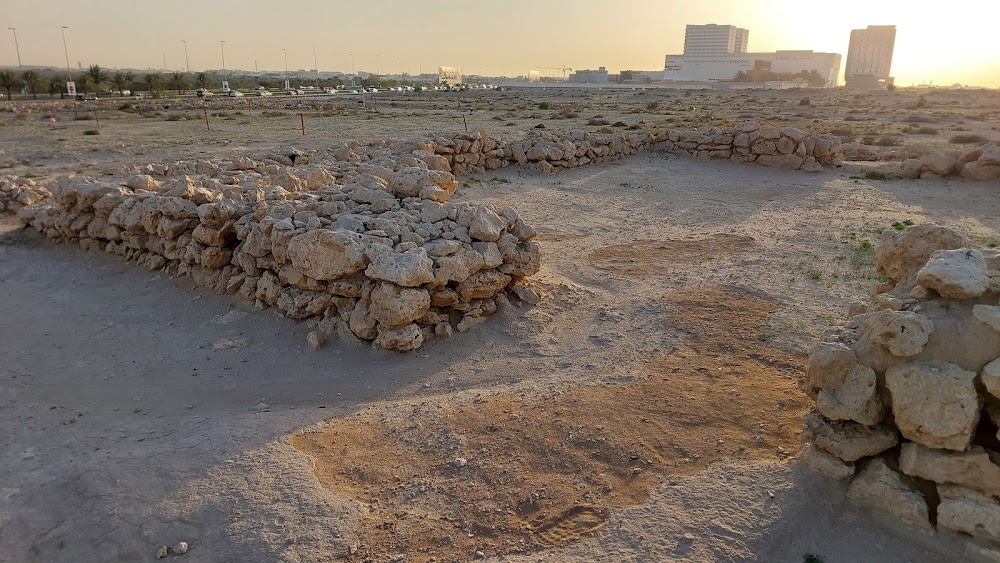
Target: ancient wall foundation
x,y
373,252
908,390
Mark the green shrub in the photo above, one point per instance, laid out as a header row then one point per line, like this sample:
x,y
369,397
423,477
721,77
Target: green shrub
x,y
544,105
873,176
91,132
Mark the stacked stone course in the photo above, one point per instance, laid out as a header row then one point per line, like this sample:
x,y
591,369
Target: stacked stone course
x,y
917,161
778,148
372,250
908,391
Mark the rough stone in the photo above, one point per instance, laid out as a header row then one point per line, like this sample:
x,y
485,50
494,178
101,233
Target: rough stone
x,y
848,440
402,339
408,269
327,255
955,274
827,465
934,403
486,225
883,489
973,469
902,333
991,378
900,254
987,314
968,511
394,306
844,389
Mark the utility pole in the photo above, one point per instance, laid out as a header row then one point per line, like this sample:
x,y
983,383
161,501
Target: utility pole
x,y
315,65
225,75
164,62
69,72
187,63
284,52
18,48
352,64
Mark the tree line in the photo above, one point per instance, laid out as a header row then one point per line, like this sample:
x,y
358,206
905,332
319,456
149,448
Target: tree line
x,y
96,80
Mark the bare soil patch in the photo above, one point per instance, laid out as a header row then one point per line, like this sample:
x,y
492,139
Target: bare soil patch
x,y
647,257
511,473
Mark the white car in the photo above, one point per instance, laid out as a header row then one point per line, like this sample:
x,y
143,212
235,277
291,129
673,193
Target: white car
x,y
263,93
235,94
203,93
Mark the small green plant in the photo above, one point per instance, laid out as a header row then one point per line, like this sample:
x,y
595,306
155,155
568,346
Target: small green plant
x,y
805,102
810,558
764,335
91,132
868,141
900,225
544,105
814,273
871,175
992,244
499,180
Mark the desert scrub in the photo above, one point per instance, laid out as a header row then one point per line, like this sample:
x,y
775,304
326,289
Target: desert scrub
x,y
967,139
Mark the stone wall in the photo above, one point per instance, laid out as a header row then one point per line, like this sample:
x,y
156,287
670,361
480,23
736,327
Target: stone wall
x,y
908,391
918,161
779,148
16,193
372,250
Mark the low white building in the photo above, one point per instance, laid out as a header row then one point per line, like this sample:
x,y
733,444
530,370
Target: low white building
x,y
718,68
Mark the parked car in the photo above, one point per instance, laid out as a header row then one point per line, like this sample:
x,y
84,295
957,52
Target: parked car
x,y
203,93
262,92
329,90
86,98
235,94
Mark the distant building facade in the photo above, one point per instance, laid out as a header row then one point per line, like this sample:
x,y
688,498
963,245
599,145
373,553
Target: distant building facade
x,y
720,68
717,53
599,76
712,39
869,57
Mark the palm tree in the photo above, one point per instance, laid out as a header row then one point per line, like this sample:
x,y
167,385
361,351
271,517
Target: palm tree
x,y
34,82
8,81
120,83
83,83
55,86
201,80
154,82
179,82
98,76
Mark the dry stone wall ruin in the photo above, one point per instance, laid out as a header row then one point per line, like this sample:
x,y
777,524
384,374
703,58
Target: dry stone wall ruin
x,y
908,390
371,250
916,161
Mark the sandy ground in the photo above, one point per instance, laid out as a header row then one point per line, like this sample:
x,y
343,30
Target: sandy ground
x,y
646,410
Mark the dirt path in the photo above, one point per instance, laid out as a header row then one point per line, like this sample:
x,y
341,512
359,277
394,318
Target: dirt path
x,y
122,429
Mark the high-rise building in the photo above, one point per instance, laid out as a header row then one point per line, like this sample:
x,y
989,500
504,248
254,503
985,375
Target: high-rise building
x,y
712,39
869,57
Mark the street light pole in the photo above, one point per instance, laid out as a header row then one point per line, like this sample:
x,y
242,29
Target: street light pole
x,y
284,52
69,73
18,48
187,63
315,65
352,64
225,75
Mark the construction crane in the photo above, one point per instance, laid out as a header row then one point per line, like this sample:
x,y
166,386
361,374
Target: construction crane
x,y
564,69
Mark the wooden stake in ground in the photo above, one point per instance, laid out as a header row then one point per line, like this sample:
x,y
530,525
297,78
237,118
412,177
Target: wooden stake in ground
x,y
207,126
96,118
302,117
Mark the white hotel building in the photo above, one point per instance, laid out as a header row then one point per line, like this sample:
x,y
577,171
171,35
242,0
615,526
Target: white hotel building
x,y
715,53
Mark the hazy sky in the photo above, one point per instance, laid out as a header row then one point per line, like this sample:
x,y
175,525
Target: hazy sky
x,y
947,44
